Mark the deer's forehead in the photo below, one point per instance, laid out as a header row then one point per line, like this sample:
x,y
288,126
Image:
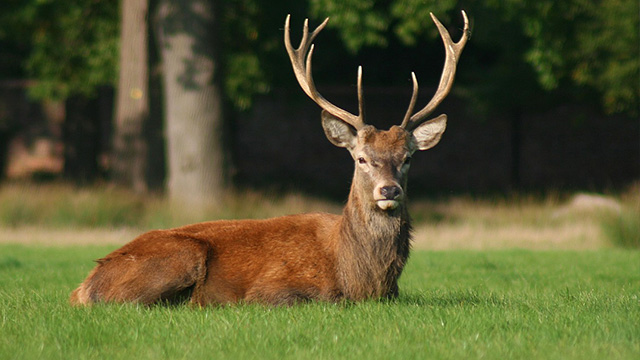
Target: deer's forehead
x,y
393,142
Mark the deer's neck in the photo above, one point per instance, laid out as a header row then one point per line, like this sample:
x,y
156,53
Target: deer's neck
x,y
373,248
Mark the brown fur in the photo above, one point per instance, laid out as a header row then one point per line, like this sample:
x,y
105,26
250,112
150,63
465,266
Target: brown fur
x,y
283,260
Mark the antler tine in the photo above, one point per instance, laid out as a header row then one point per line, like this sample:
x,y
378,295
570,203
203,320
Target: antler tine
x,y
453,51
302,71
297,55
412,103
360,95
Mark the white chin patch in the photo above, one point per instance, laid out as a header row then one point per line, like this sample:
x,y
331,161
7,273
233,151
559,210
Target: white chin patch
x,y
387,204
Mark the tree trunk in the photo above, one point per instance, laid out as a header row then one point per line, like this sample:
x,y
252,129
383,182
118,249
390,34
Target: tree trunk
x,y
193,103
132,106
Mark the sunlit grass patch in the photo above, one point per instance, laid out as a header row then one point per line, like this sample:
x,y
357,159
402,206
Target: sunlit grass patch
x,y
453,304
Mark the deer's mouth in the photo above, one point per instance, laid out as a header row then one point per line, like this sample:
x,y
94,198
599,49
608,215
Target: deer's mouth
x,y
387,205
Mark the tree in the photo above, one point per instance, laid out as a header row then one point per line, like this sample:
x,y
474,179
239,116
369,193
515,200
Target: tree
x,y
73,45
132,100
523,54
193,101
583,44
70,49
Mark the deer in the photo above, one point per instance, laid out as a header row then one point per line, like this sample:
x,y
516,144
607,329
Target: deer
x,y
355,256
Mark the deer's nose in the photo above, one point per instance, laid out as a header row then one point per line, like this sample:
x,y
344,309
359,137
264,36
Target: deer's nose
x,y
390,192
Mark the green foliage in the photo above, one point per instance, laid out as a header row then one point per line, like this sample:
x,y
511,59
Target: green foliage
x,y
243,42
411,17
71,47
593,44
361,22
452,305
524,49
73,44
608,49
245,79
581,43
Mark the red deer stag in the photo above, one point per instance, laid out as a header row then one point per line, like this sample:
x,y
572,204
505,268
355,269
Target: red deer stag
x,y
355,256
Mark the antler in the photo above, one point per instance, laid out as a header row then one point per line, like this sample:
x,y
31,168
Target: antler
x,y
302,70
453,51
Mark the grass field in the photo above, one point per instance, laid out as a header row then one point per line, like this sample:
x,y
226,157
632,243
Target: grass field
x,y
518,277
500,304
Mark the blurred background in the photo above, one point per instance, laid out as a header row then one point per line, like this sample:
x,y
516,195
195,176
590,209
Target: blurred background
x,y
135,106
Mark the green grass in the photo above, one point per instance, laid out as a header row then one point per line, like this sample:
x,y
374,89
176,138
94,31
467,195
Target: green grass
x,y
511,304
624,229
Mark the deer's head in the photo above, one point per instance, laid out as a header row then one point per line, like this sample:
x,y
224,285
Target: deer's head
x,y
382,157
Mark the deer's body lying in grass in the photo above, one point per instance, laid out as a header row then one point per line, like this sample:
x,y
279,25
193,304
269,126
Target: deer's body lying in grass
x,y
355,256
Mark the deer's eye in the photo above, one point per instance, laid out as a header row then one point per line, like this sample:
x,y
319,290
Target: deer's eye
x,y
362,160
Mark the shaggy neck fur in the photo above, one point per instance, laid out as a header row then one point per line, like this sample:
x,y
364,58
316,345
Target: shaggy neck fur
x,y
374,247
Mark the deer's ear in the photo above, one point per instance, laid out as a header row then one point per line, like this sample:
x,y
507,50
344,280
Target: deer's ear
x,y
428,134
338,132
